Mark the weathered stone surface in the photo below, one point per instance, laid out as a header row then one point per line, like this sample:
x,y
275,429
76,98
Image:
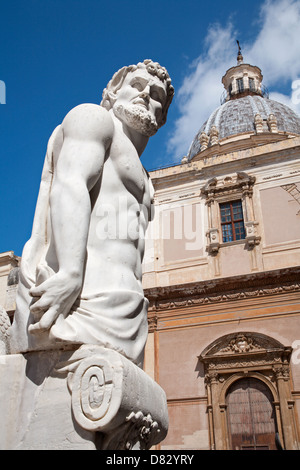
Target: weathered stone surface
x,y
90,398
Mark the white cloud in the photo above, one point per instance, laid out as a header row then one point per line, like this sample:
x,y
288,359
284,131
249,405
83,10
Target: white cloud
x,y
277,46
201,90
276,50
292,101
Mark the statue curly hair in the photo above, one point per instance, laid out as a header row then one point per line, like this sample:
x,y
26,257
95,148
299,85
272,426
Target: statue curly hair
x,y
153,68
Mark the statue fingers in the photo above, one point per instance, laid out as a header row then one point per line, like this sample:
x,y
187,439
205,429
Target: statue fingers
x,y
36,291
49,317
40,306
46,321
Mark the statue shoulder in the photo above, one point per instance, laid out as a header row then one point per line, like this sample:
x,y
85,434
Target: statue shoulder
x,y
88,122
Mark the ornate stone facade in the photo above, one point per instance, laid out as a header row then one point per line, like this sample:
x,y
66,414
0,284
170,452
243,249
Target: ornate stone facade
x,y
224,312
219,311
248,355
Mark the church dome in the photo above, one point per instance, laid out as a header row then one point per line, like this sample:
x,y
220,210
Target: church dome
x,y
246,111
241,116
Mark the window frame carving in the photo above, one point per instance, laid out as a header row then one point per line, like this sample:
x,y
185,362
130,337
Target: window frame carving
x,y
229,189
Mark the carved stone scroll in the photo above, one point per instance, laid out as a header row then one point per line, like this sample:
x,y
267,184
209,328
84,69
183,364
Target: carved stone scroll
x,y
111,395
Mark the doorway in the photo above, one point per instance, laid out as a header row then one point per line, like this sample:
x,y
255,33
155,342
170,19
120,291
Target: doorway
x,y
251,415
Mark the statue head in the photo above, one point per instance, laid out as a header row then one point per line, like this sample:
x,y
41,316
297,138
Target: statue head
x,y
152,69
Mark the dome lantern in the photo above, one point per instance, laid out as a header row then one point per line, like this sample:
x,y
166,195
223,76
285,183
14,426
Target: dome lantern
x,y
242,80
240,58
246,112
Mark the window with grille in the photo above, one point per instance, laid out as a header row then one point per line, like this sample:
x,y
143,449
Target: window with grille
x,y
232,221
251,84
240,85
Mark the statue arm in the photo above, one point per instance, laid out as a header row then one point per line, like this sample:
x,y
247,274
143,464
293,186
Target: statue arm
x,y
87,133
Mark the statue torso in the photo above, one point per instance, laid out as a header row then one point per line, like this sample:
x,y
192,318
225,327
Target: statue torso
x,y
121,210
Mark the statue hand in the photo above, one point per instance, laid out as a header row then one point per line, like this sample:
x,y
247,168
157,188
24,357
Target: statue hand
x,y
56,296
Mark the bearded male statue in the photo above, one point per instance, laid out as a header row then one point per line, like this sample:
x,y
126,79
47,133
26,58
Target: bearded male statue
x,y
81,271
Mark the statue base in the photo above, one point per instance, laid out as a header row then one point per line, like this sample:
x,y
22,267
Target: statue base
x,y
89,398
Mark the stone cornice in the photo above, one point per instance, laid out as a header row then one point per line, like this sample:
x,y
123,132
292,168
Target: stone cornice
x,y
240,143
225,289
8,260
228,154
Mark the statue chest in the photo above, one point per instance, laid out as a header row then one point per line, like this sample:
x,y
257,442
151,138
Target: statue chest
x,y
130,168
129,176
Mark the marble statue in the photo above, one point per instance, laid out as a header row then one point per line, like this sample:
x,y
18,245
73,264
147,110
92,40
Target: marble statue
x,y
81,271
71,374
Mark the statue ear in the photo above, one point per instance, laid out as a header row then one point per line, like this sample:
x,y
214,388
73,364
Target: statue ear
x,y
110,93
111,97
117,80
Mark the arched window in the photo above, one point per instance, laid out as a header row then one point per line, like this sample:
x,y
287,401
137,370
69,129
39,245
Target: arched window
x,y
250,415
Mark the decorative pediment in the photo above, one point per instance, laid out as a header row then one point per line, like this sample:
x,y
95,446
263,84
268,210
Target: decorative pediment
x,y
240,182
241,343
235,357
241,352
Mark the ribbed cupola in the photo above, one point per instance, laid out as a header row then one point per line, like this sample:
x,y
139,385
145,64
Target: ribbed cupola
x,y
245,111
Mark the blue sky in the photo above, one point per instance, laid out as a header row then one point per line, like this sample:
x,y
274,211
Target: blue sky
x,y
56,54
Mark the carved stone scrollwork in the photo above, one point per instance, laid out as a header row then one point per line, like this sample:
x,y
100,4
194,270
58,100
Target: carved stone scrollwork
x,y
244,342
111,395
213,240
214,135
258,122
211,377
272,123
92,388
137,428
4,331
282,372
251,235
204,140
241,344
218,190
152,322
246,183
247,354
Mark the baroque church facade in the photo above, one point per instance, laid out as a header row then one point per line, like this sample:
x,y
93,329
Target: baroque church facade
x,y
222,277
221,272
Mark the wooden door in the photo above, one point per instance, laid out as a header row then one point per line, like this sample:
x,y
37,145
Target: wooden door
x,y
251,415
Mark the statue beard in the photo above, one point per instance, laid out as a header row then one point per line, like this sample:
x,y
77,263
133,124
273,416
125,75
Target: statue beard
x,y
137,118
